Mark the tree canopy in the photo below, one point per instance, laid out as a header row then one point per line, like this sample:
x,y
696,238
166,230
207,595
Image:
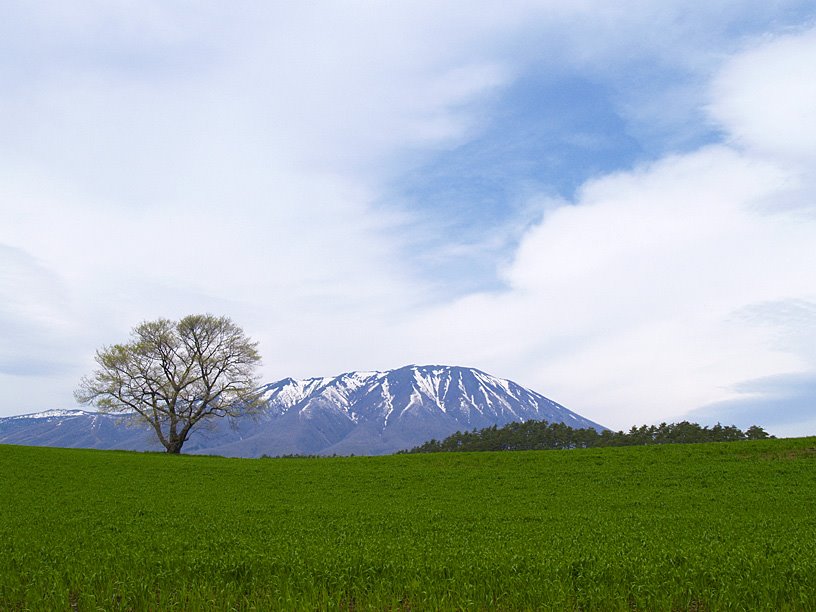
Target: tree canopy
x,y
175,375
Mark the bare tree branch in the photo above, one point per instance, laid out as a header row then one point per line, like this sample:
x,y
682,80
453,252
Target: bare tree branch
x,y
174,375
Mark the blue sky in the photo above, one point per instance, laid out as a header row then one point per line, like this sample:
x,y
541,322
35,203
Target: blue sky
x,y
544,135
613,205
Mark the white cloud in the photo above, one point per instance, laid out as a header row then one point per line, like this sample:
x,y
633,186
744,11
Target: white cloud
x,y
157,160
229,160
765,97
628,305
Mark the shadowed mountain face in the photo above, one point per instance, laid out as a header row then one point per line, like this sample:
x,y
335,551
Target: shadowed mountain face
x,y
362,413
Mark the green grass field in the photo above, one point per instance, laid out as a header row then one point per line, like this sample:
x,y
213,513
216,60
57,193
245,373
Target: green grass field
x,y
699,527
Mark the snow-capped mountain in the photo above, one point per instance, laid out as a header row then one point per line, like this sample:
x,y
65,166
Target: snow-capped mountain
x,y
353,413
75,429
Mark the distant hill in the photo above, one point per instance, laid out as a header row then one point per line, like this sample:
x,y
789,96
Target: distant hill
x,y
362,413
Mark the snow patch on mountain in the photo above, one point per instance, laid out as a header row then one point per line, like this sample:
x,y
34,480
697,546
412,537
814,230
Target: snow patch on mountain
x,y
51,414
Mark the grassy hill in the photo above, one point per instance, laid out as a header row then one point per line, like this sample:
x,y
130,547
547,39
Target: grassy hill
x,y
703,527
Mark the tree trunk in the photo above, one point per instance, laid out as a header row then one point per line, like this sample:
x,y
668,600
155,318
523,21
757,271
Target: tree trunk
x,y
174,441
174,445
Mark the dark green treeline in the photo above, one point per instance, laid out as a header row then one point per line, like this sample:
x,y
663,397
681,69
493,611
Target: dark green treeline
x,y
541,435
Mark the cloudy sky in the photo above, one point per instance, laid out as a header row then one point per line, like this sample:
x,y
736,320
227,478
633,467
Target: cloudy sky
x,y
611,203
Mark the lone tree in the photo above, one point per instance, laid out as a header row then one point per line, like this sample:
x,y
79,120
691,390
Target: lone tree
x,y
174,375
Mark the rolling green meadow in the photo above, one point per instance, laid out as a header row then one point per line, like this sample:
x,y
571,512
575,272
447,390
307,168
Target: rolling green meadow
x,y
725,526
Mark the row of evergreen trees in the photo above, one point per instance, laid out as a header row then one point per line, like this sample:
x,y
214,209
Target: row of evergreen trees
x,y
541,435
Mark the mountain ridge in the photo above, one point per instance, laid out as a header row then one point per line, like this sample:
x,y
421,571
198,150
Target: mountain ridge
x,y
357,412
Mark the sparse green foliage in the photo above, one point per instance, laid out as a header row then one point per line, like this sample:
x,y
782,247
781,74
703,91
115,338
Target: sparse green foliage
x,y
662,527
175,375
541,435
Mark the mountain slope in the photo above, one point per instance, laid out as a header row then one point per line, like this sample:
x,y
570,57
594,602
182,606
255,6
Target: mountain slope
x,y
353,413
75,429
